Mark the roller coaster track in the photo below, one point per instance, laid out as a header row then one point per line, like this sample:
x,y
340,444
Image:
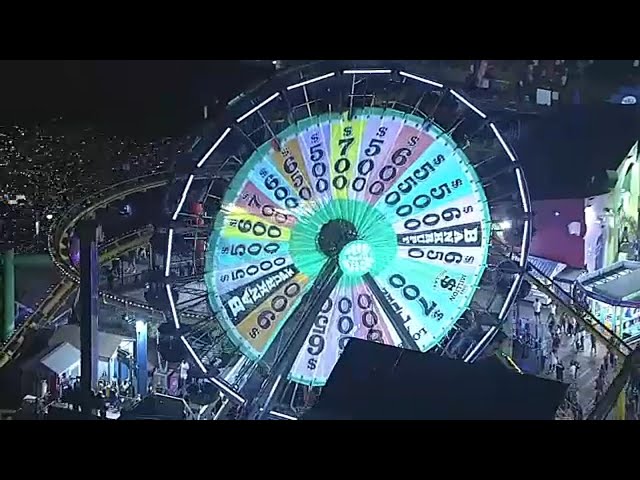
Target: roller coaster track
x,y
59,236
63,228
59,250
58,295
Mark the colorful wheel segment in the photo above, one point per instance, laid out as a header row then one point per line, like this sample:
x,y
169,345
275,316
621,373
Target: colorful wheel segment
x,y
391,199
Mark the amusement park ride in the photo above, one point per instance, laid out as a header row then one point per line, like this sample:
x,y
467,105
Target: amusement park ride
x,y
340,200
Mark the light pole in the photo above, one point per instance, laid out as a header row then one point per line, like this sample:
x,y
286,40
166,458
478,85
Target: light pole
x,y
142,375
9,294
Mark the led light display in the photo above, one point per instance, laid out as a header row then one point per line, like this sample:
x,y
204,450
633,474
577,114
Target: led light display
x,y
386,196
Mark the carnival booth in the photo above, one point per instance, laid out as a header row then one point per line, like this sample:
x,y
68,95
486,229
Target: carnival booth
x,y
612,294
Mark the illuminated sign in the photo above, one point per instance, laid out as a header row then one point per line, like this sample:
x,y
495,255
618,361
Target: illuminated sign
x,y
390,198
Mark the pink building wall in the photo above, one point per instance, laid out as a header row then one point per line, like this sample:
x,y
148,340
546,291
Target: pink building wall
x,y
551,238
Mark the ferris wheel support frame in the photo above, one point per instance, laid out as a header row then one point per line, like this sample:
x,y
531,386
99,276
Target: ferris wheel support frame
x,y
306,311
227,123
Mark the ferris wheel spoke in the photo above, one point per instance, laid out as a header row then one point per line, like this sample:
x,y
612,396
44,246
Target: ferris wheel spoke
x,y
232,252
315,142
335,322
460,211
241,274
268,179
346,136
393,315
240,302
261,323
255,202
458,247
410,143
378,137
299,324
245,226
372,323
288,158
433,296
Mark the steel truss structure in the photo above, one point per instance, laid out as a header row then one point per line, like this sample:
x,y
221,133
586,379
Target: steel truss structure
x,y
259,116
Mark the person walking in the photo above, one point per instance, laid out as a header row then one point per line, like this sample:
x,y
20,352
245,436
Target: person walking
x,y
184,375
552,326
573,369
553,362
543,360
594,350
537,309
576,343
581,341
560,372
553,310
599,384
613,360
563,323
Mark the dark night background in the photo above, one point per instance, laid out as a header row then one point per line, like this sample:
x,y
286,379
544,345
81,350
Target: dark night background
x,y
150,99
124,110
131,97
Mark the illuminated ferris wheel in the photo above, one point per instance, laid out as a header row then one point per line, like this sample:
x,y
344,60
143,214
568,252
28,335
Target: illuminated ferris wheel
x,y
340,201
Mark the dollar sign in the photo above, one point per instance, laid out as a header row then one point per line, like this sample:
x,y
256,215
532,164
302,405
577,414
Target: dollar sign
x,y
447,283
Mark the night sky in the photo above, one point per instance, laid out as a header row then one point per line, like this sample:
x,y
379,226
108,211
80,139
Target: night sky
x,y
131,97
149,99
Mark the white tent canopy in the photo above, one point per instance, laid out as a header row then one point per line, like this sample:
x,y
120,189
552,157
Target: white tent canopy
x,y
62,359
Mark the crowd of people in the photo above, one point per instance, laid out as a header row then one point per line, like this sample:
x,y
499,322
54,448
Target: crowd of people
x,y
561,345
46,169
109,397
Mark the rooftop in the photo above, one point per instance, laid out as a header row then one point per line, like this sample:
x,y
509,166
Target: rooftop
x,y
61,358
617,282
108,343
373,381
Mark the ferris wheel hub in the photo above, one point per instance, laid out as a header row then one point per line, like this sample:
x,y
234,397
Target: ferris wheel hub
x,y
335,235
356,258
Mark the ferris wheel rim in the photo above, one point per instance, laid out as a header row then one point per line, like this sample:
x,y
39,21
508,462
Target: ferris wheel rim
x,y
232,117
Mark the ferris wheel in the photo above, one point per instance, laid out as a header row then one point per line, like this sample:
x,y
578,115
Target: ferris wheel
x,y
337,201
